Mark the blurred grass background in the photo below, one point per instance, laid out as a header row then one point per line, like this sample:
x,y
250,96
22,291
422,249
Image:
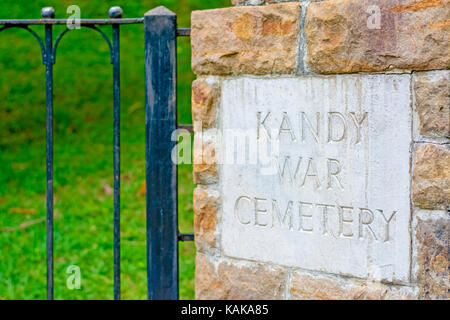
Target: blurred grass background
x,y
82,153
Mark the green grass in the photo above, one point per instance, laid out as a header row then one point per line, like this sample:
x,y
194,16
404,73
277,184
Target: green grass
x,y
82,154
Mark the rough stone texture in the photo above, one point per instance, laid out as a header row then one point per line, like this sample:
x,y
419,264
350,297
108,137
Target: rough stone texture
x,y
205,219
433,258
264,40
306,287
205,163
232,282
412,35
205,99
245,40
431,176
432,99
258,2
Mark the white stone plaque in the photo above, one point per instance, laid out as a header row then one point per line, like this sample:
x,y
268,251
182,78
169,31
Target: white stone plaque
x,y
323,182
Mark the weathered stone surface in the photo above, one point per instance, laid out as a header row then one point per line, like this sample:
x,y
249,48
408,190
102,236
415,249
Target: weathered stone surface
x,y
335,195
247,2
205,99
205,219
205,162
245,40
433,258
343,36
306,287
432,98
233,282
431,176
258,2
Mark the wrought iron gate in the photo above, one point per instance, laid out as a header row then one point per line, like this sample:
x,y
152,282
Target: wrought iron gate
x,y
161,31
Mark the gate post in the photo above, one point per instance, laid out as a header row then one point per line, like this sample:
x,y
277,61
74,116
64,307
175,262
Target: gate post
x,y
161,172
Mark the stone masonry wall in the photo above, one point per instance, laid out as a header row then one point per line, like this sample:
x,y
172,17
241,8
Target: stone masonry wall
x,y
261,39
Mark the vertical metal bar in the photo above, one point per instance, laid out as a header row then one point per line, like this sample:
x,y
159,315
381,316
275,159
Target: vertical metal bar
x,y
161,172
49,13
116,71
116,12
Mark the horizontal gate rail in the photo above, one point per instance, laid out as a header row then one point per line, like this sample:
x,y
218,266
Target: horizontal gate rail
x,y
187,127
183,32
185,237
48,51
64,21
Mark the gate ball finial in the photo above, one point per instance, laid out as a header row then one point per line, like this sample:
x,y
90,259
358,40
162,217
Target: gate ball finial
x,y
115,12
48,12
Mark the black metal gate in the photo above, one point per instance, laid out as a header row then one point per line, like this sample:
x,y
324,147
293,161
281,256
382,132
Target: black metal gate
x,y
161,31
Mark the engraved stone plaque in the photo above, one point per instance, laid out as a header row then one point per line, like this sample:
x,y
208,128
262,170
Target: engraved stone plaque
x,y
316,173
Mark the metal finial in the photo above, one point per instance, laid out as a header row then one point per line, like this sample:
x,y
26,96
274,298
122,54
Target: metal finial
x,y
115,12
48,12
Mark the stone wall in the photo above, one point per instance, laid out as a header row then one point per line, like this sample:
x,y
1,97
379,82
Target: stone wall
x,y
275,44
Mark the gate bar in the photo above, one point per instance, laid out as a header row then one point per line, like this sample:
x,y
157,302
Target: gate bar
x,y
183,32
115,13
186,237
48,13
64,21
162,280
187,127
161,172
